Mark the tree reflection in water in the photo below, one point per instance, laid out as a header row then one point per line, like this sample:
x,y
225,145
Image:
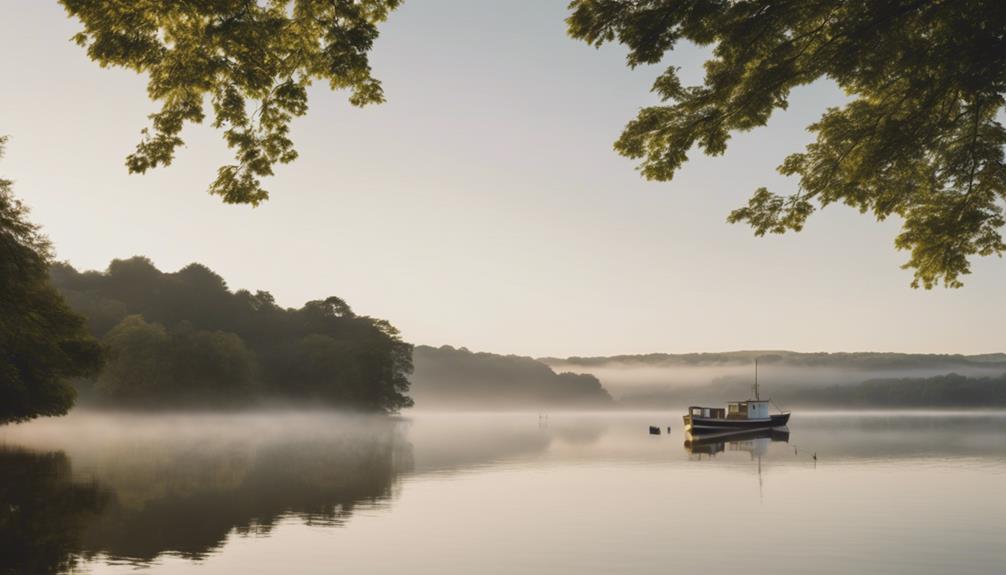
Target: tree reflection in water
x,y
177,495
43,512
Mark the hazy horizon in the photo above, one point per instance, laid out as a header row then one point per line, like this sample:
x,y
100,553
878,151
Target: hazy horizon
x,y
482,205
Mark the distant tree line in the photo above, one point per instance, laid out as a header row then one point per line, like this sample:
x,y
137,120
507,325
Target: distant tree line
x,y
937,391
458,378
185,339
950,390
866,360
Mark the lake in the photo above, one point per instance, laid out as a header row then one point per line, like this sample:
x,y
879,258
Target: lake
x,y
466,493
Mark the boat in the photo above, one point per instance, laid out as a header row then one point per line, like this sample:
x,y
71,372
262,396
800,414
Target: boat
x,y
748,415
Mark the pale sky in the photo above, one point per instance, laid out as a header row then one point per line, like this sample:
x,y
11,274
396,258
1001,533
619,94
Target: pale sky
x,y
482,205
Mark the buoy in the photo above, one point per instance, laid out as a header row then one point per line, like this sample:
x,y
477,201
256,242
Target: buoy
x,y
654,430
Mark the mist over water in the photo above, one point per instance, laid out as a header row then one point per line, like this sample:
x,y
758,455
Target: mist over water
x,y
499,493
647,383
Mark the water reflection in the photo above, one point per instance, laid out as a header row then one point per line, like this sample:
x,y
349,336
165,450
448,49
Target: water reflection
x,y
183,491
92,489
195,505
131,488
888,436
43,512
755,443
452,442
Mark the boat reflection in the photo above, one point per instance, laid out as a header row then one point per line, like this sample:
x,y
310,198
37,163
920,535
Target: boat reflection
x,y
755,443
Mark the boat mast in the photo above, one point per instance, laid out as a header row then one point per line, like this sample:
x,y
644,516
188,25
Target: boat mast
x,y
757,396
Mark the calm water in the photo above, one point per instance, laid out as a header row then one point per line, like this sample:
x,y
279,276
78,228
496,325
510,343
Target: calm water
x,y
515,493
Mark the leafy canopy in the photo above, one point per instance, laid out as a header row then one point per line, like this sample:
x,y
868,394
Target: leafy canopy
x,y
919,138
42,342
253,59
185,339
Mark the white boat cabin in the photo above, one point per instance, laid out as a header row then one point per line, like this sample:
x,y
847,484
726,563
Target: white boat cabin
x,y
708,412
751,409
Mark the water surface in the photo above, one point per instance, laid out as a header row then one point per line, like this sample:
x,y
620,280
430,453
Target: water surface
x,y
500,493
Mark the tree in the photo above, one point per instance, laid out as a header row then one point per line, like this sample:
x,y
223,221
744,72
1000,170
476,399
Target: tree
x,y
240,53
140,364
150,365
184,338
918,139
42,342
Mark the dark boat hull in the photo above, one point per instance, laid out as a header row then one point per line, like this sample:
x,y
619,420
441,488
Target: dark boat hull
x,y
698,425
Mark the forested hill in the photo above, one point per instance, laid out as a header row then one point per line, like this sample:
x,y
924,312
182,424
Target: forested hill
x,y
447,377
941,391
185,338
867,361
